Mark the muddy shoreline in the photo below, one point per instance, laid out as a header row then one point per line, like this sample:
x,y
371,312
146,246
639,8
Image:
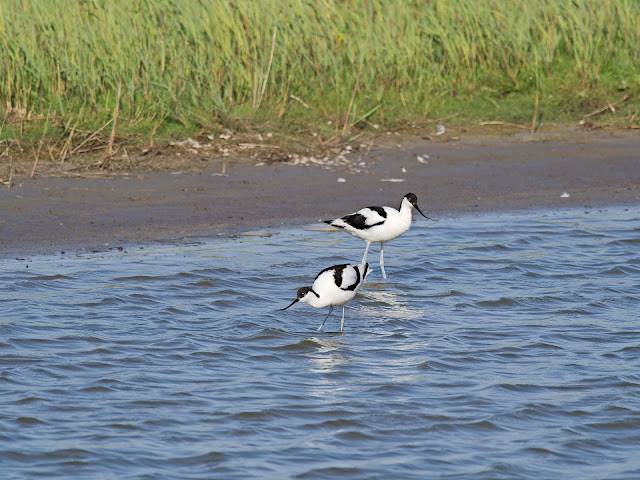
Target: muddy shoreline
x,y
50,214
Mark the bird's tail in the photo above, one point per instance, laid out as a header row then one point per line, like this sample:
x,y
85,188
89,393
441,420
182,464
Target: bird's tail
x,y
336,222
364,271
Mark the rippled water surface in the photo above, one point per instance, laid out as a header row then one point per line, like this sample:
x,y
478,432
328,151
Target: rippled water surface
x,y
501,346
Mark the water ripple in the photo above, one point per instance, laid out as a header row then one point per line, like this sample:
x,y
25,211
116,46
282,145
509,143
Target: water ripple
x,y
501,346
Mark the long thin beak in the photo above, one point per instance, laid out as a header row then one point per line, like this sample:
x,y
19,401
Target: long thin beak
x,y
418,208
296,300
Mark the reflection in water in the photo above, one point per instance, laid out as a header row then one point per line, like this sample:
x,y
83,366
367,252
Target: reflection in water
x,y
330,354
380,299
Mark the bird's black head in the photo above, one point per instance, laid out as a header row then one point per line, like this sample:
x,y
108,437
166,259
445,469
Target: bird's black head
x,y
413,200
302,292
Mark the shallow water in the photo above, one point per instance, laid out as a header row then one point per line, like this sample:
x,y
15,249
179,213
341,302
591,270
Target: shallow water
x,y
501,346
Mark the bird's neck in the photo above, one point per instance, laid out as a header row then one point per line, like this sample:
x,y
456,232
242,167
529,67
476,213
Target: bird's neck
x,y
314,301
405,208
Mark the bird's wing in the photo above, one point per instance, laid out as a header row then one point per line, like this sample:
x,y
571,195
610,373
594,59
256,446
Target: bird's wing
x,y
350,277
325,272
366,218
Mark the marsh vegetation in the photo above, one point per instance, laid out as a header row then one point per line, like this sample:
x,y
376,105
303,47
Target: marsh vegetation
x,y
146,69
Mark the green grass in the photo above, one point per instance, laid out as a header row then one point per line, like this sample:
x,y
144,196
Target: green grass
x,y
186,65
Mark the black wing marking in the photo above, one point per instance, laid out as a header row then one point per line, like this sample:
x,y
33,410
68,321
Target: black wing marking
x,y
337,267
338,278
359,221
338,274
379,210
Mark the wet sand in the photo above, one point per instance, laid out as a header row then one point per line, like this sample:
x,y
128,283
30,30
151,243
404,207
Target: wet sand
x,y
53,214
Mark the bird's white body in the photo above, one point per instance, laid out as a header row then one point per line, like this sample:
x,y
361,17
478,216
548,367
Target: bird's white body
x,y
336,285
379,224
333,286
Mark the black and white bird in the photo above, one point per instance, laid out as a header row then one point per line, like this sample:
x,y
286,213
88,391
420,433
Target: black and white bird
x,y
379,224
333,286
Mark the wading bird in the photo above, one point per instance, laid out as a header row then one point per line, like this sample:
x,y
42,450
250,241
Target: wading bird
x,y
379,224
333,286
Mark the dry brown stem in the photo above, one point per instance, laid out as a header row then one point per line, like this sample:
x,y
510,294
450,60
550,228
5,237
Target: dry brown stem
x,y
608,106
110,152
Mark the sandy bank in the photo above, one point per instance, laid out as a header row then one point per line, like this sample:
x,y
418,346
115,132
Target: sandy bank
x,y
52,214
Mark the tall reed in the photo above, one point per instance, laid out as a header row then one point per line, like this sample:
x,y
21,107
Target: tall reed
x,y
219,62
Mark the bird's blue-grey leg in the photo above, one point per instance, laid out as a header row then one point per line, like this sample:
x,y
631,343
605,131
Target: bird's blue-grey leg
x,y
366,250
325,318
342,322
364,259
384,275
